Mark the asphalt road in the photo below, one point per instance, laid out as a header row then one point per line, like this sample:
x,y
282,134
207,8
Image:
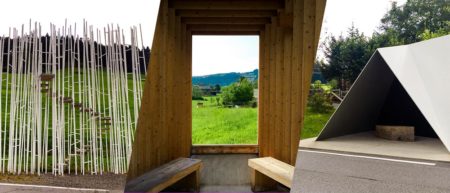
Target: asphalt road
x,y
337,172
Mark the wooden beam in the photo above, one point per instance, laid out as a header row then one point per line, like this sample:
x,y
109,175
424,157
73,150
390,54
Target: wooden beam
x,y
262,80
287,93
226,13
296,77
224,149
270,143
228,27
278,107
226,4
188,82
224,20
226,33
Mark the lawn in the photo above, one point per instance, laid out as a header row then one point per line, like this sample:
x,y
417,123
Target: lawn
x,y
313,123
213,124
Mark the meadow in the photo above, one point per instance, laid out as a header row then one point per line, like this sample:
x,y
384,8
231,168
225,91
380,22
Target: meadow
x,y
215,124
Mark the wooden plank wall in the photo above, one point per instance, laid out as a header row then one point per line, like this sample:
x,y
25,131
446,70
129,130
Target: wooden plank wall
x,y
288,51
164,126
288,44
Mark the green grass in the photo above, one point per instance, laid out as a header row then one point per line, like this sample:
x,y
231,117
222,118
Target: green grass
x,y
213,124
6,92
313,123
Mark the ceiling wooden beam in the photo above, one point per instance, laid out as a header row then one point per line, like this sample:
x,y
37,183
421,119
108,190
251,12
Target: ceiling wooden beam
x,y
223,20
223,28
225,13
226,4
226,33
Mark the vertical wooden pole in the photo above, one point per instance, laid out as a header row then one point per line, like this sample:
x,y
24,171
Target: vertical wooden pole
x,y
296,77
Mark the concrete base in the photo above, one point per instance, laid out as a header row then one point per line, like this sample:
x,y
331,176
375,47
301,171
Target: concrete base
x,y
367,143
228,188
225,172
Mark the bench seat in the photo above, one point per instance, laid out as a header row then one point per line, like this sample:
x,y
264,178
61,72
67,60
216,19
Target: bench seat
x,y
158,179
271,168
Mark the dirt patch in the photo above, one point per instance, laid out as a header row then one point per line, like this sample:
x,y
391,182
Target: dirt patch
x,y
106,181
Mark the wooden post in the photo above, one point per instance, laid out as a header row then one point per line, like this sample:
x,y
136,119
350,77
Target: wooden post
x,y
261,183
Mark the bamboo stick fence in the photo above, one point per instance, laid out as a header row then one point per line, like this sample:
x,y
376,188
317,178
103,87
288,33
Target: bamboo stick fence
x,y
68,103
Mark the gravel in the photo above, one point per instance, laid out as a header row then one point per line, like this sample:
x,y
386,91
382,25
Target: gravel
x,y
106,181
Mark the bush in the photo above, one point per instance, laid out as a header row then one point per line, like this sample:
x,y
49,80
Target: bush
x,y
254,103
320,103
197,93
238,93
333,83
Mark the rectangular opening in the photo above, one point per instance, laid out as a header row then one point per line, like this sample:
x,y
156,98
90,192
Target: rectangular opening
x,y
225,71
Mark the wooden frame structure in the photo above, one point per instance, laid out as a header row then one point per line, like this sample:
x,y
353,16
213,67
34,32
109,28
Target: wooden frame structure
x,y
289,33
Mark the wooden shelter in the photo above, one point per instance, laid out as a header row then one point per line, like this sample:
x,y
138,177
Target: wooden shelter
x,y
289,34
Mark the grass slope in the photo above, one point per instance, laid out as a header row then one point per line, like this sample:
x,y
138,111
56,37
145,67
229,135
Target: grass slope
x,y
212,124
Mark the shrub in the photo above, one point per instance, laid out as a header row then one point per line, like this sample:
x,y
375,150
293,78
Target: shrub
x,y
320,103
238,93
197,93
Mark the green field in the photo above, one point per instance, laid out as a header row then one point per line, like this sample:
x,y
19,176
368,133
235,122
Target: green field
x,y
213,124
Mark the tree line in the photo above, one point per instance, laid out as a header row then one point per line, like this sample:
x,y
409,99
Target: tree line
x,y
45,41
416,20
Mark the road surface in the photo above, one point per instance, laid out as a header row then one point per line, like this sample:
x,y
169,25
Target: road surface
x,y
338,172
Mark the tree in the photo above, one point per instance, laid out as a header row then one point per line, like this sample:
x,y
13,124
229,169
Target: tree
x,y
197,93
217,88
238,93
345,57
409,22
415,21
429,35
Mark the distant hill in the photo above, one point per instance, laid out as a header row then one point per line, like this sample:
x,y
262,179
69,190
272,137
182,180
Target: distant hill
x,y
224,79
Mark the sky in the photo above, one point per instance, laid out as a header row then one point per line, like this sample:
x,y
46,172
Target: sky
x,y
339,16
219,54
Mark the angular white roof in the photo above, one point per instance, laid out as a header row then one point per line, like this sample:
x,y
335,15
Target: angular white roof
x,y
423,69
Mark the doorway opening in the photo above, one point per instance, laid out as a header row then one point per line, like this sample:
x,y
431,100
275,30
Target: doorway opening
x,y
225,90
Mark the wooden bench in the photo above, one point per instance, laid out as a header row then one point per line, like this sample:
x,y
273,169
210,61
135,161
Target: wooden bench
x,y
182,172
267,171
